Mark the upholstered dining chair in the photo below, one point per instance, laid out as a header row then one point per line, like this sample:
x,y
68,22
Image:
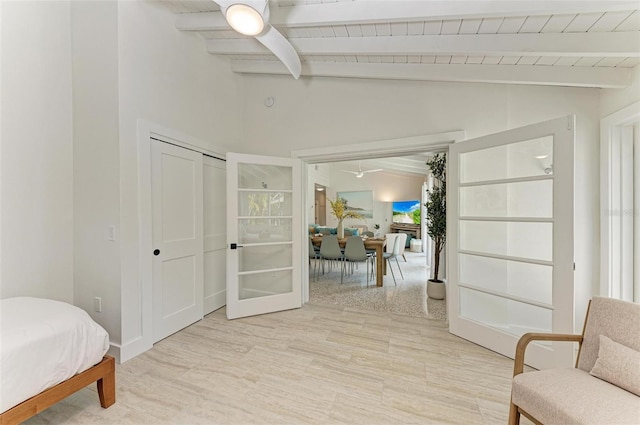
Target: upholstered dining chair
x,y
330,250
391,237
395,253
315,256
354,251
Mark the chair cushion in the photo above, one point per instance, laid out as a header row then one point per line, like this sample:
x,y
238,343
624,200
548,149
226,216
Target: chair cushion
x,y
613,318
573,396
618,365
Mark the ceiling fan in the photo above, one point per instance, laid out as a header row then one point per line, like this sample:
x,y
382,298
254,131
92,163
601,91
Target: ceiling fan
x,y
251,17
361,172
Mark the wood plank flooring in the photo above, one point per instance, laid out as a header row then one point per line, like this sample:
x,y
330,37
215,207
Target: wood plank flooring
x,y
315,365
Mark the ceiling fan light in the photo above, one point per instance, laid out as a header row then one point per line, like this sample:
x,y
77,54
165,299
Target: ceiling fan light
x,y
244,19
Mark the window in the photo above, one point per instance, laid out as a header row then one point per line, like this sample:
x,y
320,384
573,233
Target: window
x,y
620,200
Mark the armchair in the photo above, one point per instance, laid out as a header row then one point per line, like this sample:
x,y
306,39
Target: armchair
x,y
603,388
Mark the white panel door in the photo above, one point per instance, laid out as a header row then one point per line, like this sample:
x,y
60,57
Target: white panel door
x,y
177,238
510,239
263,231
215,234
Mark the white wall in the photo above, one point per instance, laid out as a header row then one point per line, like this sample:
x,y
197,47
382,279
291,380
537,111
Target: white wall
x,y
331,112
165,77
75,81
37,151
322,112
612,100
386,188
96,177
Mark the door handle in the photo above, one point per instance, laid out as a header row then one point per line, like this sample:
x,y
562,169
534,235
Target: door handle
x,y
156,252
235,245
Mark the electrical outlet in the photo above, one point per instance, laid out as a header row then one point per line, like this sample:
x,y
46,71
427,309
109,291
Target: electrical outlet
x,y
97,304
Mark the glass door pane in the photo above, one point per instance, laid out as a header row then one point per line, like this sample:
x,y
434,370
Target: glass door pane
x,y
505,229
264,221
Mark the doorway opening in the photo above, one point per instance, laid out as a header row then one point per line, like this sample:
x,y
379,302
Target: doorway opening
x,y
320,194
415,267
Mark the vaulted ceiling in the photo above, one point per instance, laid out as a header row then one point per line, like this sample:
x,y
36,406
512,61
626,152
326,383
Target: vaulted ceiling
x,y
568,43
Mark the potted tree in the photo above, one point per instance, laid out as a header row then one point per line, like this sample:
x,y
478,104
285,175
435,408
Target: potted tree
x,y
437,221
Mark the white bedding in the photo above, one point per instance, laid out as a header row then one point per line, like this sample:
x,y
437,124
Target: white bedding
x,y
42,343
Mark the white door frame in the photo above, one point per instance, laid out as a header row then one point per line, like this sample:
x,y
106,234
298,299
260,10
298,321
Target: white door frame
x,y
611,215
146,130
438,142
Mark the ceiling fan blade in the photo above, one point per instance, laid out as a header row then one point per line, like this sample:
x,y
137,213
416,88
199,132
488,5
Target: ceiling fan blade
x,y
373,171
352,172
273,40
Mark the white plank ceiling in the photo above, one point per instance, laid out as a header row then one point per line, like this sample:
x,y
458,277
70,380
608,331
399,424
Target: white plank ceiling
x,y
587,43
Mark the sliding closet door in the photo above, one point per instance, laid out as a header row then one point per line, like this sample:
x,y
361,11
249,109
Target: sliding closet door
x,y
177,198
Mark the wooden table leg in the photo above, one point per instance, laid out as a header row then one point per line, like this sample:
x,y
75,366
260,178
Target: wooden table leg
x,y
380,266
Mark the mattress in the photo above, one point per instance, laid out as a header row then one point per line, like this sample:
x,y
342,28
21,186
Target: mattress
x,y
42,343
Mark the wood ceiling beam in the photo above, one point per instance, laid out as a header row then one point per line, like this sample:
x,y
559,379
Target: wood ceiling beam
x,y
503,74
370,12
612,44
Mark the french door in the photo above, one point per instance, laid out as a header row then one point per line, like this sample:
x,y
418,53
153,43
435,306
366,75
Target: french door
x,y
510,239
263,235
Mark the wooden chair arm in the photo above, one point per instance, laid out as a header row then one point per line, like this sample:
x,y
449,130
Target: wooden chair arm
x,y
525,339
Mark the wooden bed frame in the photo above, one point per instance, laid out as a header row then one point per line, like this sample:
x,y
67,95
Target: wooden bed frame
x,y
104,373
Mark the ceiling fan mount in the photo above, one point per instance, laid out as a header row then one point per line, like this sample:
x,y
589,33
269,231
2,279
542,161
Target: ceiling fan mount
x,y
251,17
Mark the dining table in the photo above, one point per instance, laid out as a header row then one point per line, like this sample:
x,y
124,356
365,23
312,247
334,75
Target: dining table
x,y
369,243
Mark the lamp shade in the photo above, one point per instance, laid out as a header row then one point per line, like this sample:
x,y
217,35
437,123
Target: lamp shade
x,y
244,19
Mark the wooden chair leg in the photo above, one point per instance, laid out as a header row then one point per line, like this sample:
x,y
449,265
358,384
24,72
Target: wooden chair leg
x,y
514,414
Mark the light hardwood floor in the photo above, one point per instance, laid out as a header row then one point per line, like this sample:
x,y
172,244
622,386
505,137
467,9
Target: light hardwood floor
x,y
315,365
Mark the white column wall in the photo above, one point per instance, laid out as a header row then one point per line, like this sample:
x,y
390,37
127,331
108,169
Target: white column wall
x,y
96,177
37,151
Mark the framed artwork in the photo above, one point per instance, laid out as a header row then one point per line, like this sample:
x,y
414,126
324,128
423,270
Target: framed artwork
x,y
360,202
